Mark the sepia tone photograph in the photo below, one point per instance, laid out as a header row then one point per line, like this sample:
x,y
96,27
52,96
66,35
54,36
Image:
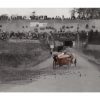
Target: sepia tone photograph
x,y
49,49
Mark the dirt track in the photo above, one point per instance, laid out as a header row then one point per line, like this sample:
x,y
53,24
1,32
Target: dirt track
x,y
84,78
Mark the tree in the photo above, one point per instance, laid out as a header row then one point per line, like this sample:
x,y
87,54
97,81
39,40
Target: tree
x,y
73,14
87,13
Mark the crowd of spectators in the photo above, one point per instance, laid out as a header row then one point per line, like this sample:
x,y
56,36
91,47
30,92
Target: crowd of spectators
x,y
18,35
91,36
94,37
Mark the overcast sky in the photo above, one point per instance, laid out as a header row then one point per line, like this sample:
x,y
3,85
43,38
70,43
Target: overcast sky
x,y
52,12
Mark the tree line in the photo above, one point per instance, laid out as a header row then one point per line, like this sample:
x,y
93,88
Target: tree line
x,y
85,13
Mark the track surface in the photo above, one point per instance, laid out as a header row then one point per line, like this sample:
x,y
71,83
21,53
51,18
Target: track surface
x,y
83,78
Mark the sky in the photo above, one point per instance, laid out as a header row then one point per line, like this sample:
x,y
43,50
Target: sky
x,y
51,12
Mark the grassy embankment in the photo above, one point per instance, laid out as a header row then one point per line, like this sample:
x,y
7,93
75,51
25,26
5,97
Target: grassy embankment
x,y
93,54
16,59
